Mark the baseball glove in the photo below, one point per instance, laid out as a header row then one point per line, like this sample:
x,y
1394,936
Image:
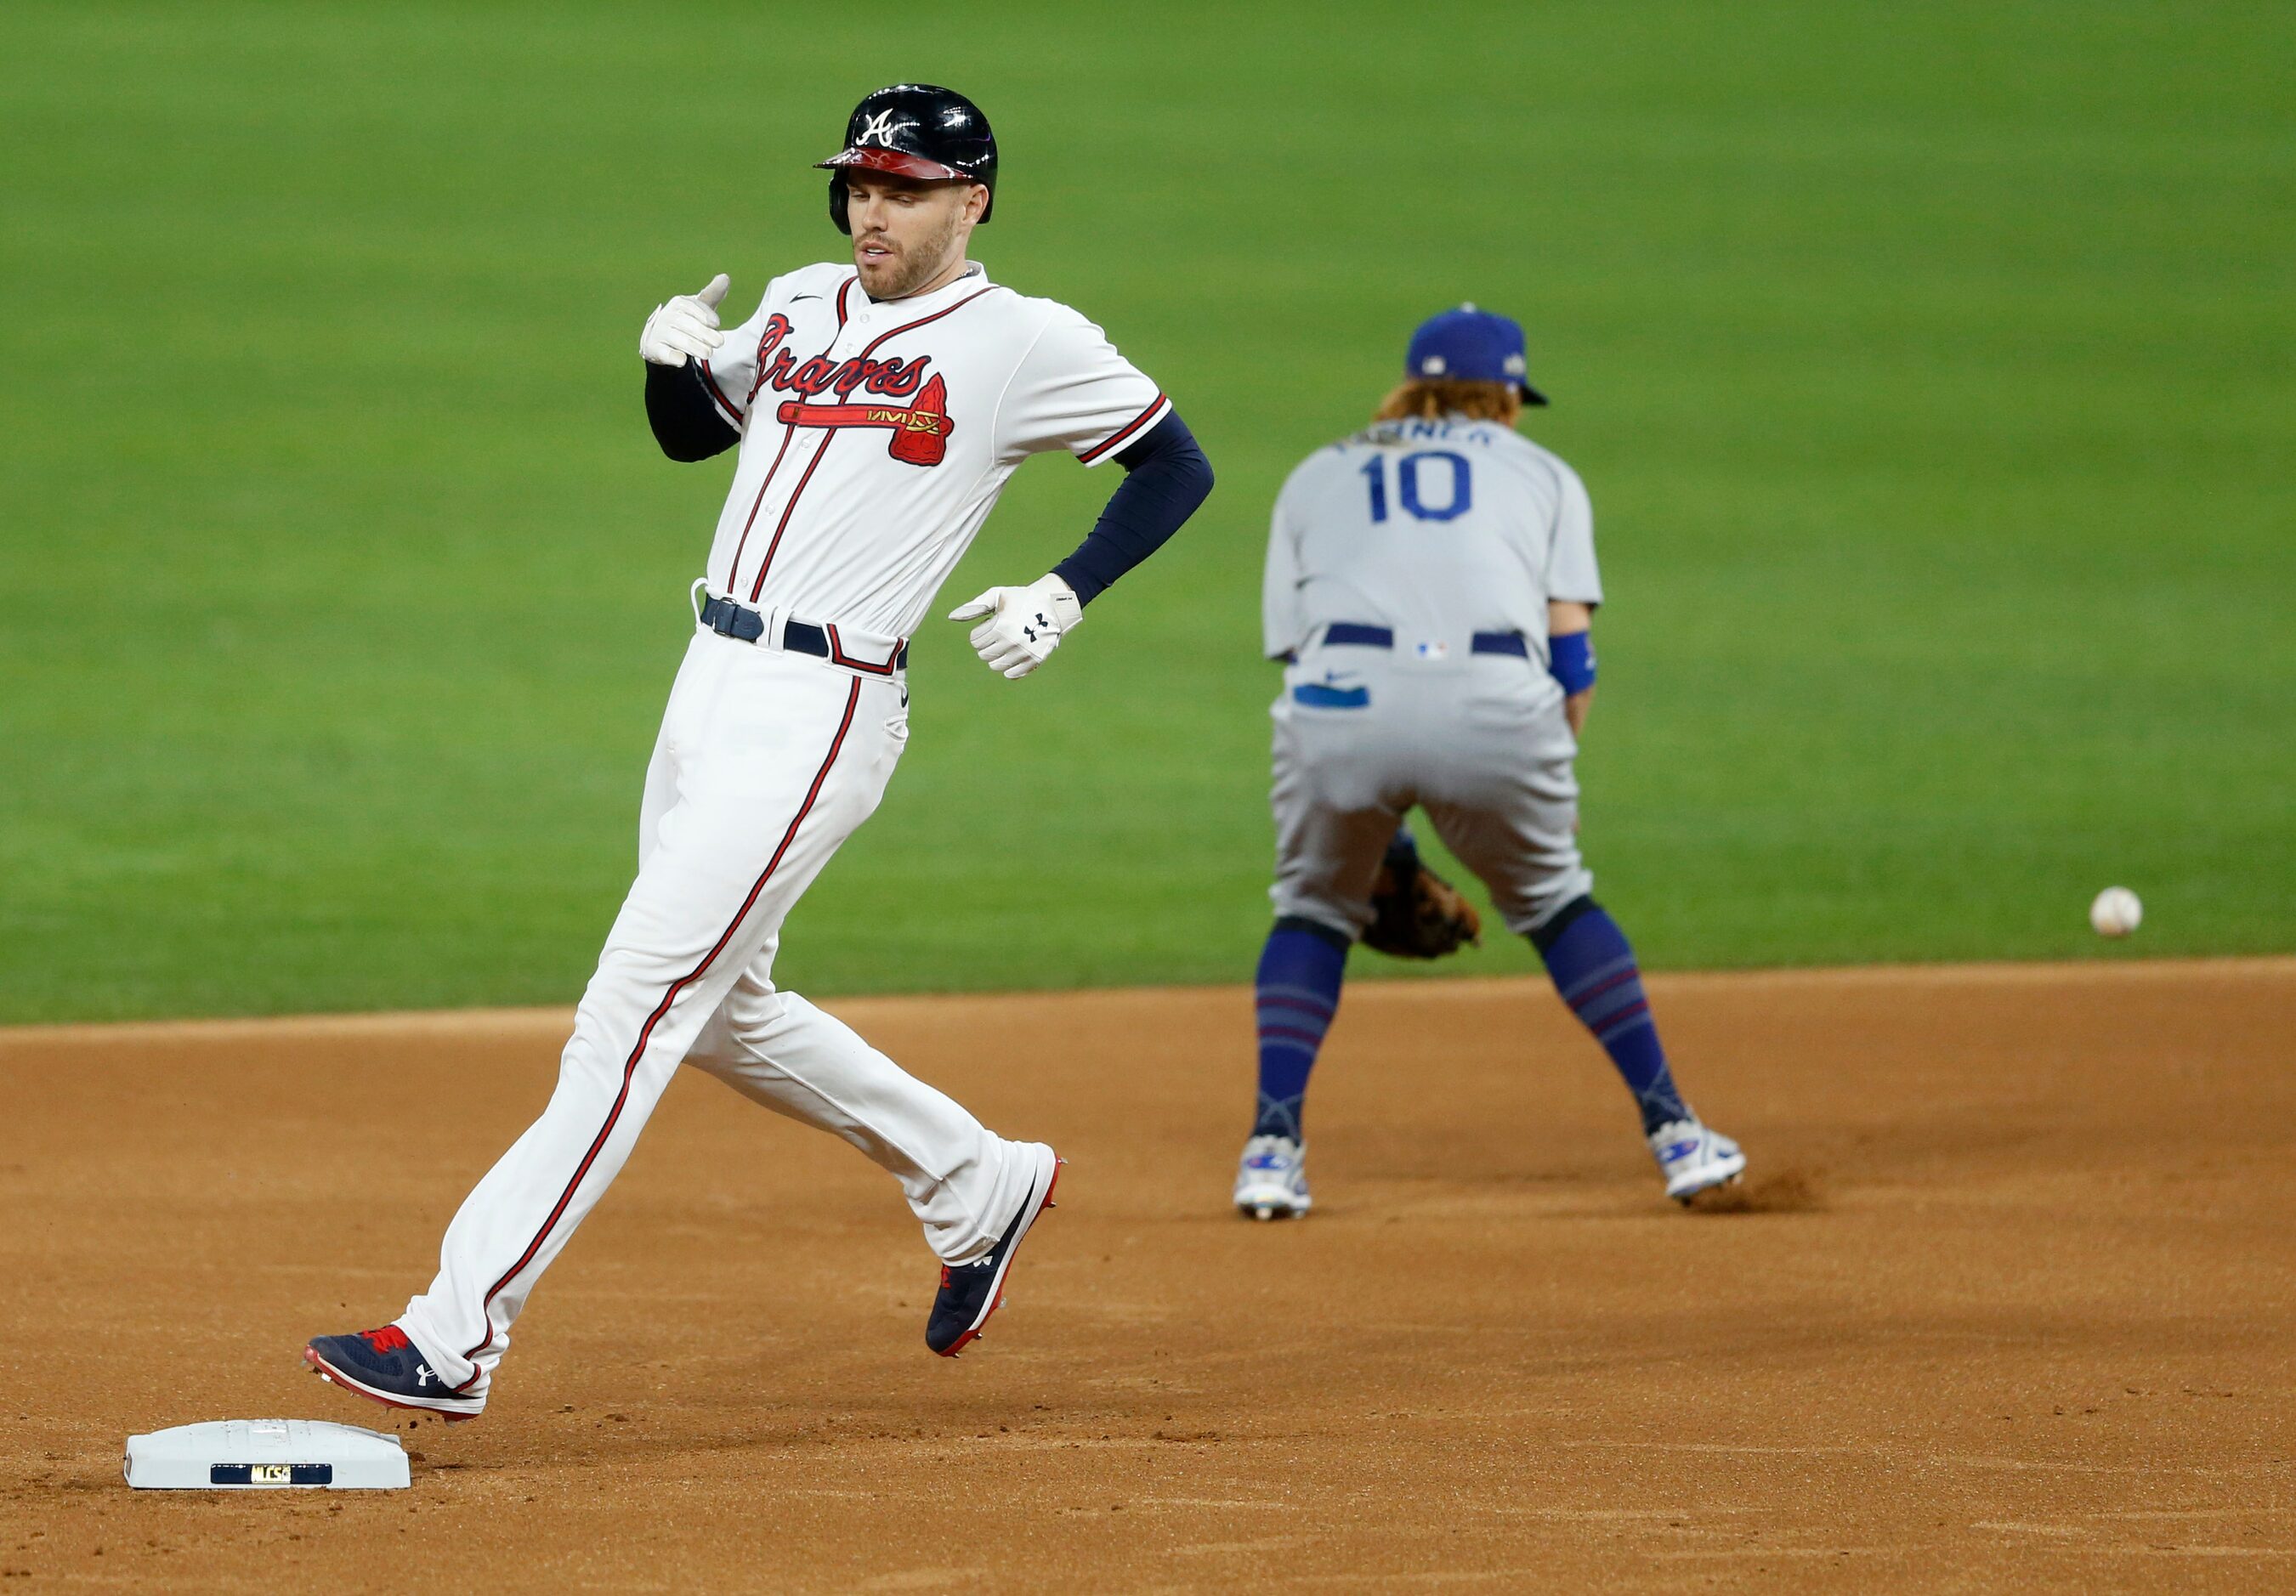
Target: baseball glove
x,y
1416,913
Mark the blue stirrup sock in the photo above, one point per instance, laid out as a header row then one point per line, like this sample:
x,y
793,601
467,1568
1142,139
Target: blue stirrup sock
x,y
1593,967
1298,991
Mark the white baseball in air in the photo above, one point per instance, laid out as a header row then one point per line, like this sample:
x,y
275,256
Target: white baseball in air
x,y
2116,912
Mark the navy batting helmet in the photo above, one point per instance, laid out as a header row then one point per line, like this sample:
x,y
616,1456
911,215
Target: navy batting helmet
x,y
917,131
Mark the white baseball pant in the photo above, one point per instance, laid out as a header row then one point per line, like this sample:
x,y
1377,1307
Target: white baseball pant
x,y
765,763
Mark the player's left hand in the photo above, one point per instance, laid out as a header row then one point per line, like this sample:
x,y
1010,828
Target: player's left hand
x,y
1021,626
1417,915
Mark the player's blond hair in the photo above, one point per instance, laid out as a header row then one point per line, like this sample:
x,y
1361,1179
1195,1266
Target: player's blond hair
x,y
1431,398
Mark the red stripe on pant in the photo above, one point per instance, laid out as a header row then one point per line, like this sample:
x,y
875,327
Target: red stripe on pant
x,y
645,1033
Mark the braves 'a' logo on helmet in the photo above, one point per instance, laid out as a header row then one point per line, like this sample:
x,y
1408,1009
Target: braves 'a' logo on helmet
x,y
880,128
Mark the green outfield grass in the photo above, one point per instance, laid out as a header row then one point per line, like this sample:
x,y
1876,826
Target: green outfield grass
x,y
1929,367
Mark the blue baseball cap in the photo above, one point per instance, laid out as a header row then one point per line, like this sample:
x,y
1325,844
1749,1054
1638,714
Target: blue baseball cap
x,y
1468,345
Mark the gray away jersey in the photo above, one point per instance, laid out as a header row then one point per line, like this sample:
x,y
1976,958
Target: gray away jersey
x,y
1438,529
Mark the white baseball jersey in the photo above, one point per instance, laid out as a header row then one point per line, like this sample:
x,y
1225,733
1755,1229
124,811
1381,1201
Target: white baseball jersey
x,y
1438,529
875,438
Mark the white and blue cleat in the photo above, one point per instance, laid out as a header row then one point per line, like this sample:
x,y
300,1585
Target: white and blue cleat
x,y
1693,1158
1271,1181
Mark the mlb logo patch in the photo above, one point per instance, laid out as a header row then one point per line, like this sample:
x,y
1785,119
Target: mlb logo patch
x,y
1432,650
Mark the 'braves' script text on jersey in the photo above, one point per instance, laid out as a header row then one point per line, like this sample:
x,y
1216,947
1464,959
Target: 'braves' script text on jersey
x,y
875,437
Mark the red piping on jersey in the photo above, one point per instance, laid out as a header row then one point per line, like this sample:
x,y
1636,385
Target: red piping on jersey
x,y
645,1033
1116,438
710,382
787,433
781,526
869,348
733,571
838,656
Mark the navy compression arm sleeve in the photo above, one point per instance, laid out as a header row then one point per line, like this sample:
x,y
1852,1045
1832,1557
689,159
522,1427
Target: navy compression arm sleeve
x,y
686,422
1166,478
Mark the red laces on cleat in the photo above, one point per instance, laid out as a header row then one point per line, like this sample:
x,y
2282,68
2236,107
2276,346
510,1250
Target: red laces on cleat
x,y
388,1338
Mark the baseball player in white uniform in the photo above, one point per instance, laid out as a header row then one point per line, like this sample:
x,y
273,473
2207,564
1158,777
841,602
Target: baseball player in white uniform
x,y
878,406
1430,584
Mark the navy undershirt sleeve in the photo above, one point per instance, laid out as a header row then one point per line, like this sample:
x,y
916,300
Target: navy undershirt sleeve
x,y
1166,478
686,422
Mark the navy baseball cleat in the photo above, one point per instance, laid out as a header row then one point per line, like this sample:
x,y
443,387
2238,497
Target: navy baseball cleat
x,y
382,1365
969,1293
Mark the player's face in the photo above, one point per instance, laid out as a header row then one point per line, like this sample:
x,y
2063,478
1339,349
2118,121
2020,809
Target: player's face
x,y
909,236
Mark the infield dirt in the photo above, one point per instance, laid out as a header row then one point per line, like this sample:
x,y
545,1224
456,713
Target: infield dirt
x,y
2007,1305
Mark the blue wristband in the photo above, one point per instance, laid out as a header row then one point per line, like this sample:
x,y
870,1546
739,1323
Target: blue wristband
x,y
1570,660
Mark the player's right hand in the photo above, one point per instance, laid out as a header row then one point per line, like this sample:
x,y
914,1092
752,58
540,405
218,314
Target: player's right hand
x,y
685,328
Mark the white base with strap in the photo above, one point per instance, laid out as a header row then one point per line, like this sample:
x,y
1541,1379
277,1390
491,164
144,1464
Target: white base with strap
x,y
266,1454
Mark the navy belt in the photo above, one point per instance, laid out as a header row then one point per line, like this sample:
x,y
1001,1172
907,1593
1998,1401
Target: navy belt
x,y
1358,635
744,625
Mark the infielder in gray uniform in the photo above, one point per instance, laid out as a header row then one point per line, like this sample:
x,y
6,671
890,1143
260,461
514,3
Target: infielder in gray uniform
x,y
1430,586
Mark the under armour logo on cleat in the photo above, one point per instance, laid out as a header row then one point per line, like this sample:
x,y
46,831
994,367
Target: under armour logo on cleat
x,y
423,1375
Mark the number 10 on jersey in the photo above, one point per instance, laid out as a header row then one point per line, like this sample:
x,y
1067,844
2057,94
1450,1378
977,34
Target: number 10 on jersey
x,y
1459,499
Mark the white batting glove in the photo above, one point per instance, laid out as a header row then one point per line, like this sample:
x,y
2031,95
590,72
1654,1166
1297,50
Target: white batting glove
x,y
1023,626
685,328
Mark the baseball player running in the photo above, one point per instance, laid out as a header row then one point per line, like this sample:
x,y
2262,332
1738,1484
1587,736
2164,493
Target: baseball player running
x,y
878,406
1431,583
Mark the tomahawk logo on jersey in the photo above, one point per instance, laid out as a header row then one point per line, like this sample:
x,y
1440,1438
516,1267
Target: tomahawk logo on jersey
x,y
818,522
